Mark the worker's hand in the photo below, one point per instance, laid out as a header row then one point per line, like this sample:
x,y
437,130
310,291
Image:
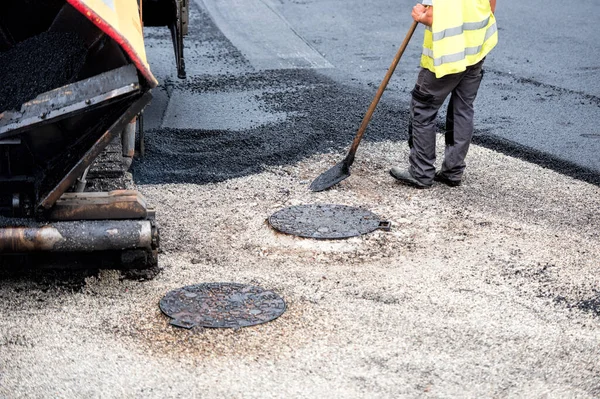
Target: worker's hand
x,y
423,14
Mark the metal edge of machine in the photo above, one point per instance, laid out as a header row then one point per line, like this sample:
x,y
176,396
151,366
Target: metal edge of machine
x,y
58,227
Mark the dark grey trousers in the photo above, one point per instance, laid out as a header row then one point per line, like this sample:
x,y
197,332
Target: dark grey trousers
x,y
427,97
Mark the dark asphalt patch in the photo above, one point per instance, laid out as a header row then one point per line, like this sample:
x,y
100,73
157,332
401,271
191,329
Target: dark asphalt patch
x,y
534,156
323,116
39,64
328,116
591,305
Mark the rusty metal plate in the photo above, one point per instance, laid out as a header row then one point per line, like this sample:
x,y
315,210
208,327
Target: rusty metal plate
x,y
221,305
325,221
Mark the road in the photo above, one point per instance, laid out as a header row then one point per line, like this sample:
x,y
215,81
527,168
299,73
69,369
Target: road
x,y
490,289
540,99
542,89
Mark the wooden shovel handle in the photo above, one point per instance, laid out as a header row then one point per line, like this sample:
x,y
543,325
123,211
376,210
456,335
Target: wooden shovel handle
x,y
382,86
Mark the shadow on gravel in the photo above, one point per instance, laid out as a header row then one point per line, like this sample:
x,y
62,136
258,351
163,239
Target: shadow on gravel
x,y
45,280
591,305
322,116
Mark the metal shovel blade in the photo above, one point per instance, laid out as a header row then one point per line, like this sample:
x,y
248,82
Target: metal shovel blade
x,y
342,170
331,177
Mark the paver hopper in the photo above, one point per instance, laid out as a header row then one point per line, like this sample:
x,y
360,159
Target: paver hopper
x,y
74,79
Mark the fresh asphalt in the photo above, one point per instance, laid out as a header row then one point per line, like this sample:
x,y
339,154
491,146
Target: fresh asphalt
x,y
541,94
273,81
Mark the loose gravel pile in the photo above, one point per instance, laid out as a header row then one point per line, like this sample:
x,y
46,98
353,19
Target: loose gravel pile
x,y
485,290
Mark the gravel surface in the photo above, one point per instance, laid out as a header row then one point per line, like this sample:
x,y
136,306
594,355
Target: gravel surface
x,y
485,290
489,289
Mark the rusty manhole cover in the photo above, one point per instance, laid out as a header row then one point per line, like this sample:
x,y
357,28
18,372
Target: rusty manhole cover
x,y
221,305
326,221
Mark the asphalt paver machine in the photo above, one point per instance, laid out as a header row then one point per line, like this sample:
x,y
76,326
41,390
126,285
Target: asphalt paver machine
x,y
73,80
173,14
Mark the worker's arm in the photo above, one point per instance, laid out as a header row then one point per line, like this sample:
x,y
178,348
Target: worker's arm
x,y
493,4
423,14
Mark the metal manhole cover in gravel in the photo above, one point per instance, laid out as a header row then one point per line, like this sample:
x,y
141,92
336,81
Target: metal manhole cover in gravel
x,y
221,305
325,221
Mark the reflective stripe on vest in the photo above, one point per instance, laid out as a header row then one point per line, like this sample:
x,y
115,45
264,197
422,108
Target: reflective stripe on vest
x,y
463,54
463,33
459,29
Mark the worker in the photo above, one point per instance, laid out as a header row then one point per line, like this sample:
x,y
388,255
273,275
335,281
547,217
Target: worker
x,y
458,36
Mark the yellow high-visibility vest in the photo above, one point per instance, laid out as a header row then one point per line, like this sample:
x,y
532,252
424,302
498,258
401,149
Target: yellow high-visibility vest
x,y
463,33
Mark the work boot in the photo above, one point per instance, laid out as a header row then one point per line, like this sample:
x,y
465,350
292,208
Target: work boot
x,y
405,177
439,176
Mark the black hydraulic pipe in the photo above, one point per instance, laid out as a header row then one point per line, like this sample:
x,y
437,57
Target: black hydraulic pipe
x,y
78,236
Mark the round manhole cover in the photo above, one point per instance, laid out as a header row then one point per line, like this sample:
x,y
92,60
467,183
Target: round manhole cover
x,y
221,305
326,221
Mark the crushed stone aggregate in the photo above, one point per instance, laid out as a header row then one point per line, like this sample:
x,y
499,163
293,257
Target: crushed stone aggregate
x,y
39,64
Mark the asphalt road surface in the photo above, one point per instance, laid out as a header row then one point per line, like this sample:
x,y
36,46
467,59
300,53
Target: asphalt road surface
x,y
541,89
540,99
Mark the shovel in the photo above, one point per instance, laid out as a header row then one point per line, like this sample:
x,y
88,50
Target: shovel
x,y
341,170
